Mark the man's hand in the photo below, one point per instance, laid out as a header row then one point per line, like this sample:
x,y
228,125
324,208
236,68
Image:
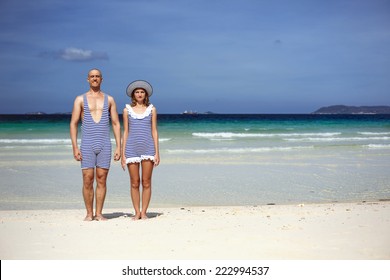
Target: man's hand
x,y
77,154
117,154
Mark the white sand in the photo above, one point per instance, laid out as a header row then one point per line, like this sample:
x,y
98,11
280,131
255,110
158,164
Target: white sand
x,y
275,232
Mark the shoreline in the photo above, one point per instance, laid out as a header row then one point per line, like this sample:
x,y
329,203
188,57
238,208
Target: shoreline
x,y
318,231
127,206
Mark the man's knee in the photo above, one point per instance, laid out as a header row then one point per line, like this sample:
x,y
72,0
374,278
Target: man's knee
x,y
88,177
101,175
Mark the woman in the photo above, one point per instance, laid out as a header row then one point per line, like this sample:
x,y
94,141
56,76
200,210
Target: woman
x,y
140,148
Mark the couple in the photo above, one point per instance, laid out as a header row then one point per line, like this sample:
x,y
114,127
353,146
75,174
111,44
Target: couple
x,y
139,144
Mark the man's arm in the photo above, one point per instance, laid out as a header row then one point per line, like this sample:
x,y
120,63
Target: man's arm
x,y
116,128
76,115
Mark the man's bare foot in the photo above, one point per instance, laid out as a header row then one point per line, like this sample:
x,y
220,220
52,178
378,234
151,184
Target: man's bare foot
x,y
100,218
88,218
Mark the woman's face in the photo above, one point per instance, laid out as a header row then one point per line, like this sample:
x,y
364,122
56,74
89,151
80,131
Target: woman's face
x,y
139,95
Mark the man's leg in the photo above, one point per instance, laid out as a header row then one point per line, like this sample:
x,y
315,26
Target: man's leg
x,y
101,189
88,194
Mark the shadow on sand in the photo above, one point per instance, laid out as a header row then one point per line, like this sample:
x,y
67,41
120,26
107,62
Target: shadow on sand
x,y
117,215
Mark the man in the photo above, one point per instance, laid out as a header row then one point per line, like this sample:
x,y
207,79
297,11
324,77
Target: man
x,y
95,108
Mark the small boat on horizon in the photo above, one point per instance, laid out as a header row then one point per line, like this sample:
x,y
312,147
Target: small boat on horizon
x,y
190,112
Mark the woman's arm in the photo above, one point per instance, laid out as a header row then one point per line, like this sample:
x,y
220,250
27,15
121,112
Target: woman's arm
x,y
125,135
155,137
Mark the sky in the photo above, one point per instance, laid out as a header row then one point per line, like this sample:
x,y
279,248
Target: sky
x,y
224,56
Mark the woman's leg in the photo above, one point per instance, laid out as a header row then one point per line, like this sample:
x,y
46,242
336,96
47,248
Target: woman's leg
x,y
134,188
147,170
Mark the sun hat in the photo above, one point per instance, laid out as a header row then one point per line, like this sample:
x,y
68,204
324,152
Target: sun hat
x,y
139,84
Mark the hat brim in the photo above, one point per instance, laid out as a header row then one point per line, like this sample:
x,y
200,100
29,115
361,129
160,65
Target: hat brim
x,y
139,84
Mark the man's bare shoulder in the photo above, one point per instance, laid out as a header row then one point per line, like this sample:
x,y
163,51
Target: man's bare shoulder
x,y
80,97
108,96
79,100
111,99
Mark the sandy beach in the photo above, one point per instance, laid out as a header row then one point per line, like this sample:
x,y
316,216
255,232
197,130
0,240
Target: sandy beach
x,y
337,231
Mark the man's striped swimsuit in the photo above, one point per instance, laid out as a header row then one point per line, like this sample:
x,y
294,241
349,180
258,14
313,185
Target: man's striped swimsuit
x,y
95,141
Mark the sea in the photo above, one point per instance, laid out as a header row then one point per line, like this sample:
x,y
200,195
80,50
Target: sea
x,y
208,160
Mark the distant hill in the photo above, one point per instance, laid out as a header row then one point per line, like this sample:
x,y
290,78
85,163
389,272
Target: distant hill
x,y
43,113
342,109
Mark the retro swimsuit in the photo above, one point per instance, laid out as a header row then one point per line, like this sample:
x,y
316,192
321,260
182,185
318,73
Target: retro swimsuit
x,y
95,141
139,144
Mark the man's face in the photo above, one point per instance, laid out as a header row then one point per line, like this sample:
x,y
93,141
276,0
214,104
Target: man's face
x,y
94,78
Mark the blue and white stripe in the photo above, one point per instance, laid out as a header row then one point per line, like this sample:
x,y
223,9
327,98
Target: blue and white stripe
x,y
95,141
139,144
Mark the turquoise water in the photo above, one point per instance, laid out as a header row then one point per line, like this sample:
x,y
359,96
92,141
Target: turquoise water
x,y
209,160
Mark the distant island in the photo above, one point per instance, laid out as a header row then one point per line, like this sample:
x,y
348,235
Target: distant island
x,y
43,113
342,109
334,109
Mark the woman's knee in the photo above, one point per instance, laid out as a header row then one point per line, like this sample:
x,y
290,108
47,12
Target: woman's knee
x,y
146,183
134,183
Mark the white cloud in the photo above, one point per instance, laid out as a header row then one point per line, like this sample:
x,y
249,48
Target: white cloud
x,y
79,55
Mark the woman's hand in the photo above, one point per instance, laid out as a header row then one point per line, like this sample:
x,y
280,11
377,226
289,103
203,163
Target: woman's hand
x,y
156,160
123,162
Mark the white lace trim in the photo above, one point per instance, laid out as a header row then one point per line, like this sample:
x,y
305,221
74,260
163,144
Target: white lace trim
x,y
134,115
139,159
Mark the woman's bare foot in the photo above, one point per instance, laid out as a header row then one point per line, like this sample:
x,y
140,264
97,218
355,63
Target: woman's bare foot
x,y
100,218
136,217
144,217
88,218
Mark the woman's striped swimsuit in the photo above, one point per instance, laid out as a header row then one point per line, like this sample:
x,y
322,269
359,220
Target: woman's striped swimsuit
x,y
95,141
139,144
